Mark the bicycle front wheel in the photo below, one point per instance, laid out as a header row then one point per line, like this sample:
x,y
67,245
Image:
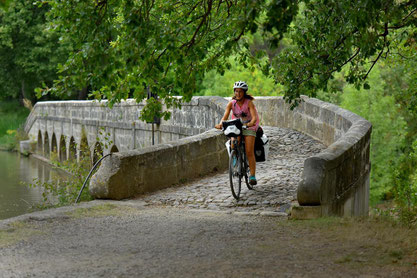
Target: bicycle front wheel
x,y
234,174
246,172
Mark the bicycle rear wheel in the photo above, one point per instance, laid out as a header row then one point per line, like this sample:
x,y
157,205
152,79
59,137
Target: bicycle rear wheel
x,y
234,174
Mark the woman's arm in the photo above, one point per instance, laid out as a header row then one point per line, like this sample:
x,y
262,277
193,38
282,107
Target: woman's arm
x,y
225,116
253,113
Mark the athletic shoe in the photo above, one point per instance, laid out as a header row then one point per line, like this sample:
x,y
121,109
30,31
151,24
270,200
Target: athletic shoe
x,y
252,180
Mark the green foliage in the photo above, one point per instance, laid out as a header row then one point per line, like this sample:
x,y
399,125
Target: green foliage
x,y
215,84
388,131
61,192
165,46
330,34
104,139
29,50
12,118
4,4
405,186
401,83
58,193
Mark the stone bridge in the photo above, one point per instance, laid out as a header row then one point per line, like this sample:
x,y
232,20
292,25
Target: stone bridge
x,y
334,182
72,129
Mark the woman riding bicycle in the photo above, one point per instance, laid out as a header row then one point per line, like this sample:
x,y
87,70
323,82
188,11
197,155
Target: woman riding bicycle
x,y
242,107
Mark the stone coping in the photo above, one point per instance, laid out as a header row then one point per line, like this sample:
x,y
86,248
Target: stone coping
x,y
337,178
212,102
130,173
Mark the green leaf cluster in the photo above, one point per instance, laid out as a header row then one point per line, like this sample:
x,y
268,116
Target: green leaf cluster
x,y
388,131
123,47
328,35
29,50
215,84
405,186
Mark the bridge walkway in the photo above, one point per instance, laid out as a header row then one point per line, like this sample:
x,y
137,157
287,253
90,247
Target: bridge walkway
x,y
278,179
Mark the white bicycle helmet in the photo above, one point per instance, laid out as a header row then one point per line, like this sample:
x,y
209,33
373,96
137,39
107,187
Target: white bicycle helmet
x,y
241,85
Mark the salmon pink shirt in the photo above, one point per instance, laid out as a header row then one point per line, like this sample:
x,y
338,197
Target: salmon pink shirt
x,y
243,112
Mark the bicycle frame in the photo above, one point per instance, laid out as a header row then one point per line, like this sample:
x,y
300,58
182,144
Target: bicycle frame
x,y
237,172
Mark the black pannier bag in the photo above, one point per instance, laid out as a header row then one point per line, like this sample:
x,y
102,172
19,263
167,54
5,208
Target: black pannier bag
x,y
259,132
261,146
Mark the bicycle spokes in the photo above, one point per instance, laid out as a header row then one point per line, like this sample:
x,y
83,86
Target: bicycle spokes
x,y
235,173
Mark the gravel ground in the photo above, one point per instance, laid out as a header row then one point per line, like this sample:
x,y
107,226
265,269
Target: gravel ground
x,y
122,239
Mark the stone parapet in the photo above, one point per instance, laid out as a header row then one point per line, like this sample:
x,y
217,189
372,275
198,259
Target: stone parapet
x,y
127,174
334,182
337,179
64,120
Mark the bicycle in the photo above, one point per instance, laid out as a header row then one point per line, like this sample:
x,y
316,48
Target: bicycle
x,y
238,163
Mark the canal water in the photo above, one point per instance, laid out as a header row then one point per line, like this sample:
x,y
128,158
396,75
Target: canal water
x,y
15,169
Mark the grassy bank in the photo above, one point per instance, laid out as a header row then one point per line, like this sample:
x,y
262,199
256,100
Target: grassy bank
x,y
12,119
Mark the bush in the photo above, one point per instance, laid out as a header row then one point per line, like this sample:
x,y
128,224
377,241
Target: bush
x,y
12,119
405,187
388,132
58,193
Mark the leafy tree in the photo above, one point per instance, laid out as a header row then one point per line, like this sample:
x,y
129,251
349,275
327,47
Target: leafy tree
x,y
29,51
4,4
124,47
333,33
405,185
388,131
221,85
401,83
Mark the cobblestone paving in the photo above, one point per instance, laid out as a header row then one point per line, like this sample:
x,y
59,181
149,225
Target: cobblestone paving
x,y
278,179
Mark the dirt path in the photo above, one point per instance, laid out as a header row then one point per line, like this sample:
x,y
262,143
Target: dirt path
x,y
119,239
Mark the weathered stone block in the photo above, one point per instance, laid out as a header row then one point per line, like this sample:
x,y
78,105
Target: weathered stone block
x,y
305,212
159,166
308,192
311,110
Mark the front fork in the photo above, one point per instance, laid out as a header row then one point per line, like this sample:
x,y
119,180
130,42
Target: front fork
x,y
239,148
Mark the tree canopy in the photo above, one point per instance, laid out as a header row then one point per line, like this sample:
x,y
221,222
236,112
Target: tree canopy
x,y
123,47
29,51
329,35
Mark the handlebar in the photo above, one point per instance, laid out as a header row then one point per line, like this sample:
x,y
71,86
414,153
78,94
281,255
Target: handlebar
x,y
242,126
244,122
